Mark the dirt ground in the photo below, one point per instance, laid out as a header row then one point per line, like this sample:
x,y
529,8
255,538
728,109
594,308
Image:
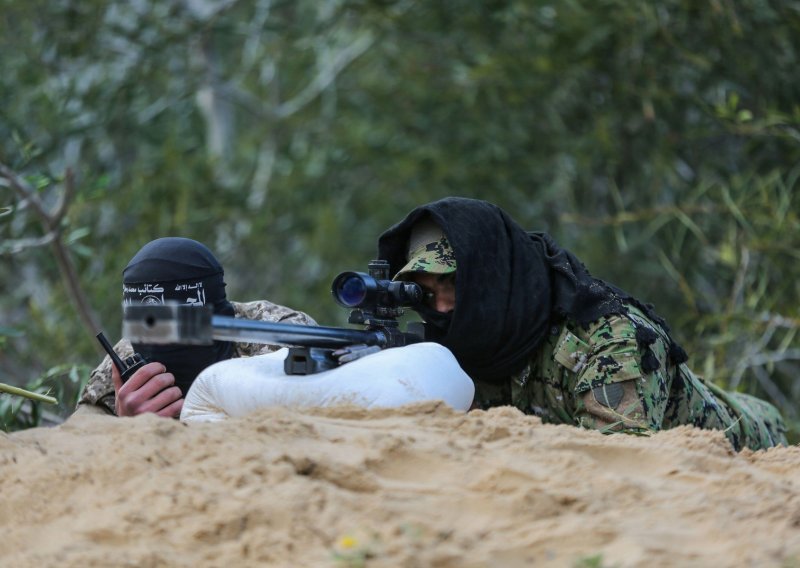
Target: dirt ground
x,y
421,485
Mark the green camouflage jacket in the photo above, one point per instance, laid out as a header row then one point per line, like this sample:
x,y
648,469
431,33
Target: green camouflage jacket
x,y
594,378
99,391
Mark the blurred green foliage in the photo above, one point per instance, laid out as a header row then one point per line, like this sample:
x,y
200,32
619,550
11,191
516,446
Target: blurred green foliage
x,y
660,141
62,382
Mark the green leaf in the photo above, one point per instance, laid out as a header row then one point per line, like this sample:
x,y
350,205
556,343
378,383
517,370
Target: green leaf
x,y
78,233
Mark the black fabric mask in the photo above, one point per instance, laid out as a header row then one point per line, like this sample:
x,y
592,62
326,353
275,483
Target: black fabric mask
x,y
512,286
185,362
181,270
436,323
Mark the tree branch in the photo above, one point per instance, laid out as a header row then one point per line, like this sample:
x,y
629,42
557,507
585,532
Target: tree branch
x,y
22,188
52,224
328,72
772,390
15,246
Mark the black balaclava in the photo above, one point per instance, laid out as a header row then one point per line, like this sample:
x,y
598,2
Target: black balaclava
x,y
512,286
174,269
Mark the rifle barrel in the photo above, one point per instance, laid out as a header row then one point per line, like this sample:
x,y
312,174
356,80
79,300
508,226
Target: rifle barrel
x,y
236,329
193,325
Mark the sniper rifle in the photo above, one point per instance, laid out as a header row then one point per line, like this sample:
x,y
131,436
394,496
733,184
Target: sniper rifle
x,y
375,302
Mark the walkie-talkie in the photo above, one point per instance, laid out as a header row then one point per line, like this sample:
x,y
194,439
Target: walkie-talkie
x,y
126,368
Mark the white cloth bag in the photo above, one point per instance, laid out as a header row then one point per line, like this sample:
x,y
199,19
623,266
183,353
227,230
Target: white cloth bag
x,y
389,378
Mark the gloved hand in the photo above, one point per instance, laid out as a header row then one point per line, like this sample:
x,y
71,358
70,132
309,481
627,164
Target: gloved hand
x,y
353,352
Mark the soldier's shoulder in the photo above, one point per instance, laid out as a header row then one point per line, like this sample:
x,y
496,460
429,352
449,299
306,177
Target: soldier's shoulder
x,y
613,328
264,310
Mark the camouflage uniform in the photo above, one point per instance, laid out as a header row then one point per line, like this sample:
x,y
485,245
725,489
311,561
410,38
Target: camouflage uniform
x,y
606,377
594,378
99,391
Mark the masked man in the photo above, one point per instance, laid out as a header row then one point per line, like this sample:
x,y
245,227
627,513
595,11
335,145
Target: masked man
x,y
533,329
176,270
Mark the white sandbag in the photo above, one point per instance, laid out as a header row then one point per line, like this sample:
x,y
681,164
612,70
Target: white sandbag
x,y
392,377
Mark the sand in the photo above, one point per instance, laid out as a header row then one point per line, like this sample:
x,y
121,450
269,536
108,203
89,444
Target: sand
x,y
416,486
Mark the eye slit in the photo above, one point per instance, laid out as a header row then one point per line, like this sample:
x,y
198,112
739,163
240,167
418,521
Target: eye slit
x,y
428,297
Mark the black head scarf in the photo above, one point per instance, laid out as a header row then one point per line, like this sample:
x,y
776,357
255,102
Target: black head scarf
x,y
512,286
178,270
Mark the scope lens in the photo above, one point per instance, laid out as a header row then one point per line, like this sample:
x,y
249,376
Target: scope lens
x,y
350,290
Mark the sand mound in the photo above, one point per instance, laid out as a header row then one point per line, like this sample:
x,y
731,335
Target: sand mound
x,y
415,486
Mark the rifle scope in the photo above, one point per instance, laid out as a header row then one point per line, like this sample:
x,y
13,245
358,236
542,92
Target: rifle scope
x,y
360,290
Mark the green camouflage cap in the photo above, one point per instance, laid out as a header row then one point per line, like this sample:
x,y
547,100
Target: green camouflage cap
x,y
429,251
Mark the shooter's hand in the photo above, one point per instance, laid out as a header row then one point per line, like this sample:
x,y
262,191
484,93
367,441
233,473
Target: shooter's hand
x,y
150,389
353,352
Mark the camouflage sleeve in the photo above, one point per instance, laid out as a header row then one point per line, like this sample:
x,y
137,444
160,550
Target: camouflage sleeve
x,y
758,424
612,408
614,392
99,390
746,421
